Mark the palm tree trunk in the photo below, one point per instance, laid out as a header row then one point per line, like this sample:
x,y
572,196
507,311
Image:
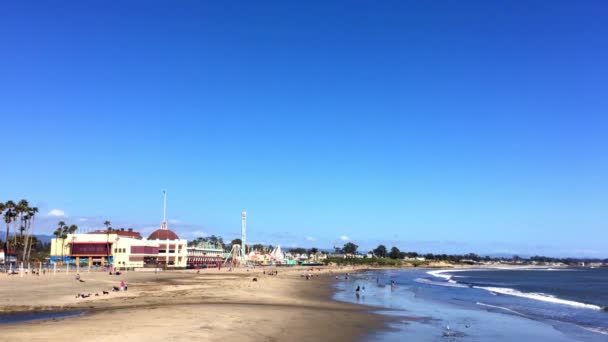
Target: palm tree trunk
x,y
29,245
15,235
26,242
6,246
107,247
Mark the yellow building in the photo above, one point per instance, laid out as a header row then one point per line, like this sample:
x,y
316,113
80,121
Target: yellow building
x,y
172,251
120,249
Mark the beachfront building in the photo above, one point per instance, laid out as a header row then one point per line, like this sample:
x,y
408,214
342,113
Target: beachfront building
x,y
10,260
100,247
120,248
205,254
172,251
127,253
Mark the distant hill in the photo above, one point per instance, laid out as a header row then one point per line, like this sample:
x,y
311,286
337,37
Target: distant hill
x,y
507,255
44,238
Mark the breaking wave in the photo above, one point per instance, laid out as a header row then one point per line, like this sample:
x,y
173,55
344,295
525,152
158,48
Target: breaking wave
x,y
509,291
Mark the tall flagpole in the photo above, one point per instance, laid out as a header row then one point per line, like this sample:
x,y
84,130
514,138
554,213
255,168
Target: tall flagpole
x,y
243,233
164,224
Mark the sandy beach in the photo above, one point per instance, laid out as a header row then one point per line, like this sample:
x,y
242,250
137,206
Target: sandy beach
x,y
183,305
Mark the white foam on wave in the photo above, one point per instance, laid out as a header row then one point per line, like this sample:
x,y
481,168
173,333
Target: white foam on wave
x,y
510,292
440,274
598,330
502,308
430,282
448,277
538,296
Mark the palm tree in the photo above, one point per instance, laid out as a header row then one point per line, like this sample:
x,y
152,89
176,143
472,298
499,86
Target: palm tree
x,y
63,234
19,210
71,230
22,208
2,206
57,234
9,214
26,219
30,217
107,223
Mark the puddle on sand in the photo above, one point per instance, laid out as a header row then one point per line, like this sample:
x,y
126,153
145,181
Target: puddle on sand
x,y
23,317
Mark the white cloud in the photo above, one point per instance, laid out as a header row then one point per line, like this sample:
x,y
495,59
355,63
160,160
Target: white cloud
x,y
196,234
56,213
82,219
310,238
174,221
344,238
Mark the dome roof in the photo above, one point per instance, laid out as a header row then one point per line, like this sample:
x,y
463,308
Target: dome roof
x,y
163,234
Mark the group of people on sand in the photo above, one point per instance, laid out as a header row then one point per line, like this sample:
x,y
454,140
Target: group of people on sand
x,y
271,272
33,272
123,287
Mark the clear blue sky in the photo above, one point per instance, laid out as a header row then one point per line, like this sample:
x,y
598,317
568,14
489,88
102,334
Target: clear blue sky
x,y
438,126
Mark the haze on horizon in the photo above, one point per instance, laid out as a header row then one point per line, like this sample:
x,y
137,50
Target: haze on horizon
x,y
443,127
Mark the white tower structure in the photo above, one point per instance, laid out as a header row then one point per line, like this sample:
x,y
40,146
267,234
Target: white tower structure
x,y
164,223
243,232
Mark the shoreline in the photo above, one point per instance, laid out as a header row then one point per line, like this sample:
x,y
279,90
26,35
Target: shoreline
x,y
222,304
186,305
162,278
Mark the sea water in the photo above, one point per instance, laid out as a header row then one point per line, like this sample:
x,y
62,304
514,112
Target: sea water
x,y
484,305
24,317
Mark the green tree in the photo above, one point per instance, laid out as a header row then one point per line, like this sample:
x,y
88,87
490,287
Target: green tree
x,y
22,208
350,248
236,242
313,250
57,234
72,229
2,206
9,216
108,225
63,234
380,251
258,247
298,250
28,220
394,253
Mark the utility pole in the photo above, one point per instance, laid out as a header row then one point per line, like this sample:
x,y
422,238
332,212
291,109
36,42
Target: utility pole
x,y
243,233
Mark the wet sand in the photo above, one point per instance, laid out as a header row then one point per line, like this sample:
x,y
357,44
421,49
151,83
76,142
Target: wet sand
x,y
184,305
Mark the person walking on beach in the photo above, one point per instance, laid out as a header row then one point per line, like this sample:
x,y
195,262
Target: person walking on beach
x,y
122,285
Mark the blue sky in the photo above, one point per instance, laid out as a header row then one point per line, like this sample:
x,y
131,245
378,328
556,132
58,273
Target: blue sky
x,y
452,126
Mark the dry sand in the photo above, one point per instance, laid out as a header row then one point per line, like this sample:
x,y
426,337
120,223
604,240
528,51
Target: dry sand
x,y
183,305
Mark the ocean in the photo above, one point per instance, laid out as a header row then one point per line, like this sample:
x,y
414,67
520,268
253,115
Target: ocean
x,y
489,304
